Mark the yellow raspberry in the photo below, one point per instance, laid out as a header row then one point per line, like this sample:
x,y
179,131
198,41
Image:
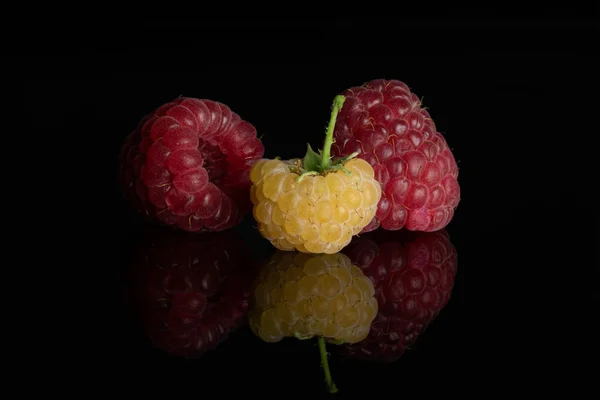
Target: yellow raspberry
x,y
315,204
312,295
311,214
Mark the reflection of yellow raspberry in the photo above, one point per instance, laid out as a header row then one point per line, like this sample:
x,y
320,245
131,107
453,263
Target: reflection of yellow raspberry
x,y
312,295
305,295
314,205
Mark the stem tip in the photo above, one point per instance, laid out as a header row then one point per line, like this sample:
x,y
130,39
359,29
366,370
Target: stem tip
x,y
325,364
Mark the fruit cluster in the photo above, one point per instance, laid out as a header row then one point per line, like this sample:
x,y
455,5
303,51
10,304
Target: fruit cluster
x,y
197,166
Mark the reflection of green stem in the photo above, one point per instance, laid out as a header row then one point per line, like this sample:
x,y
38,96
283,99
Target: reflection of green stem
x,y
330,385
338,102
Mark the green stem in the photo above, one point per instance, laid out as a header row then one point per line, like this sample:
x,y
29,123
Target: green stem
x,y
338,102
330,385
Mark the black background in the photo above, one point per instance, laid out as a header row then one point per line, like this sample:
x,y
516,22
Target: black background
x,y
515,96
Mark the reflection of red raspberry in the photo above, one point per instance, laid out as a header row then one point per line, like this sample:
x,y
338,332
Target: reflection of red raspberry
x,y
413,274
187,164
191,290
385,123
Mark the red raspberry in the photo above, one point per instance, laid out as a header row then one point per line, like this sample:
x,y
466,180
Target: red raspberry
x,y
190,290
413,274
187,164
384,122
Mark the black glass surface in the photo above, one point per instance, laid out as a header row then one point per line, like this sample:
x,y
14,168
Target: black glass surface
x,y
457,306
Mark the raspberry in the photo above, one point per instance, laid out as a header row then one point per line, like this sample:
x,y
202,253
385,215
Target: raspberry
x,y
383,122
413,274
187,165
190,291
307,295
313,205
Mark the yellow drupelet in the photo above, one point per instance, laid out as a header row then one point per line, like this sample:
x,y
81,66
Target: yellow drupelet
x,y
319,214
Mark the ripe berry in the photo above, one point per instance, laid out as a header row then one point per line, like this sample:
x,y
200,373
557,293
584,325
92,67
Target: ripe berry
x,y
308,295
190,290
314,205
187,164
383,122
413,274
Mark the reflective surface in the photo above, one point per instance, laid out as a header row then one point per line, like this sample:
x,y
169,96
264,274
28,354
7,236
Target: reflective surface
x,y
219,306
